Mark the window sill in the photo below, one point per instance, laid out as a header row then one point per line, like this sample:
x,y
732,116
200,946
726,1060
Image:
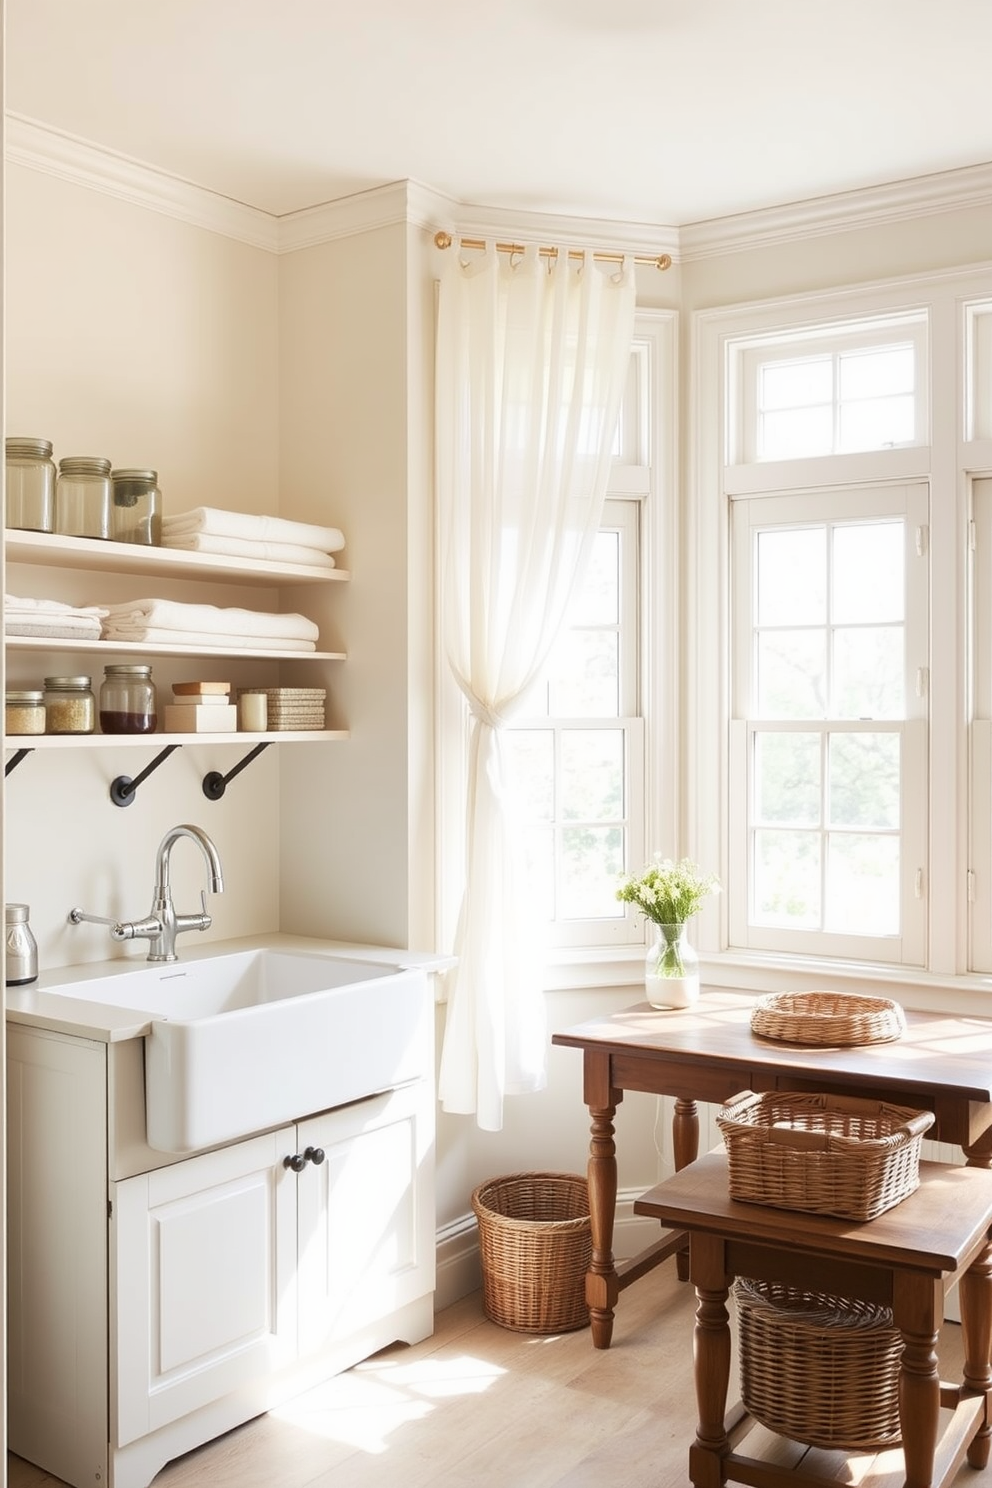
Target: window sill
x,y
969,993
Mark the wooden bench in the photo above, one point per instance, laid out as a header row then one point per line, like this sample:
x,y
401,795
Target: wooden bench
x,y
906,1259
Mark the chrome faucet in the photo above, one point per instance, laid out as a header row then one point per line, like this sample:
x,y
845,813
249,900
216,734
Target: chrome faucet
x,y
162,924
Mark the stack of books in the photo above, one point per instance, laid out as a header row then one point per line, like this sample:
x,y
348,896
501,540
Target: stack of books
x,y
201,708
291,708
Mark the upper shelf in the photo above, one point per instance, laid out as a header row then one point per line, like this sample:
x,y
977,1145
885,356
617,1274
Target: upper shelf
x,y
133,558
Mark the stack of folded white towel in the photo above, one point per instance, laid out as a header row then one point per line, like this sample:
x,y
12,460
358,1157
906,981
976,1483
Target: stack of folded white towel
x,y
48,617
207,529
167,622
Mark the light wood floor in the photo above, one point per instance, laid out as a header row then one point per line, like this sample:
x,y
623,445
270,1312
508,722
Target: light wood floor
x,y
479,1406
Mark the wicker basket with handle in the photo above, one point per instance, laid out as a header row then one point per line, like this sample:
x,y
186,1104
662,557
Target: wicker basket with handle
x,y
823,1154
819,1369
535,1242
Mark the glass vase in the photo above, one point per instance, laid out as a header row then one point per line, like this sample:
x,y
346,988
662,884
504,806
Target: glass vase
x,y
671,969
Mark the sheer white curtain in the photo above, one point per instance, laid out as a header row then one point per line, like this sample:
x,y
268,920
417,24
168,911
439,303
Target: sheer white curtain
x,y
532,360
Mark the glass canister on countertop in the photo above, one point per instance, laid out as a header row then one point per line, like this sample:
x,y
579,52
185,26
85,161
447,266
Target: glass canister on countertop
x,y
128,700
135,514
21,948
70,706
30,487
82,497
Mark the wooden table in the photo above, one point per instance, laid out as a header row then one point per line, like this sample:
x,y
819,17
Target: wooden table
x,y
941,1064
905,1259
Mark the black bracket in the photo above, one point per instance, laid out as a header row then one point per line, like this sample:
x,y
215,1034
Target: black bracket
x,y
15,760
123,789
215,784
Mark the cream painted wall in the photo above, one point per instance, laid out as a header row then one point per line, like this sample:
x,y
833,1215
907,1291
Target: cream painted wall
x,y
346,861
134,336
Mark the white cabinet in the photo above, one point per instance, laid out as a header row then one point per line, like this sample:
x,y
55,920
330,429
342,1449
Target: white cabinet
x,y
153,1313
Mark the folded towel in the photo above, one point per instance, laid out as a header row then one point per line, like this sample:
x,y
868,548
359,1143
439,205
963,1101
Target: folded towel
x,y
64,627
215,640
50,617
205,620
219,523
244,547
49,607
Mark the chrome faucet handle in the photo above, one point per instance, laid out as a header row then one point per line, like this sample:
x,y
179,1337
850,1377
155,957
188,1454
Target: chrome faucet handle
x,y
77,916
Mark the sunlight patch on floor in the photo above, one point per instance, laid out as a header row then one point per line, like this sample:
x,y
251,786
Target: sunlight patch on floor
x,y
365,1406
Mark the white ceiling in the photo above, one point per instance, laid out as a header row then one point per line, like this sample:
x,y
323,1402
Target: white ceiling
x,y
662,112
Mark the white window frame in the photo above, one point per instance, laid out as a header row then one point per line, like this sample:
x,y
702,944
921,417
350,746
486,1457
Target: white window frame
x,y
748,355
950,461
843,505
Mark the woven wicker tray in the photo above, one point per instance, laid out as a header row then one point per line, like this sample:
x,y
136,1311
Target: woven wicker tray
x,y
819,1369
827,1018
822,1154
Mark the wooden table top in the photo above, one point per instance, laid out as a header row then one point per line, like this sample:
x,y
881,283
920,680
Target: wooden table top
x,y
935,1228
937,1051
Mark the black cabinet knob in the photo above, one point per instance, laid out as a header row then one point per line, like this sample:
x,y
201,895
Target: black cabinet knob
x,y
297,1162
316,1155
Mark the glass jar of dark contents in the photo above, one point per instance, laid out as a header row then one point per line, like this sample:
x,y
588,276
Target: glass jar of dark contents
x,y
134,515
70,707
82,497
30,495
127,700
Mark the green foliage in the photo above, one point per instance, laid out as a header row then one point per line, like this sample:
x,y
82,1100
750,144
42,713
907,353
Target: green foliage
x,y
666,892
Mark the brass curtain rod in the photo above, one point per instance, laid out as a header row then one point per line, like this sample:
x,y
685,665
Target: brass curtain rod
x,y
660,260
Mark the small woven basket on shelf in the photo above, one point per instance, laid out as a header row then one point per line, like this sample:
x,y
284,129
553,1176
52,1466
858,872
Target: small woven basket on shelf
x,y
823,1154
535,1242
830,1019
819,1369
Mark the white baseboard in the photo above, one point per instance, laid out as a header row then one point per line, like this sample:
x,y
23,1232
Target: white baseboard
x,y
459,1270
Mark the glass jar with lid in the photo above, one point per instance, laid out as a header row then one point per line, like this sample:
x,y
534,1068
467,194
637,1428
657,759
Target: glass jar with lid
x,y
135,507
24,711
82,497
70,707
30,498
127,700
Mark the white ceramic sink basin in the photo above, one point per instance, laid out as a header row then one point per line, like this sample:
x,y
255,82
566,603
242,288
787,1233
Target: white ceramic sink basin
x,y
250,1040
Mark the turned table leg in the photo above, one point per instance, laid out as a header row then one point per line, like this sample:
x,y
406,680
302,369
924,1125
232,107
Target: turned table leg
x,y
976,1331
602,1285
685,1147
711,1354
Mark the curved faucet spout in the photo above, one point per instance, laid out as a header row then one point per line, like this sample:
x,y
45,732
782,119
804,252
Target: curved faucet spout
x,y
215,876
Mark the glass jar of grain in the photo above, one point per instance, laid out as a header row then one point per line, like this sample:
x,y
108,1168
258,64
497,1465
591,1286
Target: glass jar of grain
x,y
24,711
70,705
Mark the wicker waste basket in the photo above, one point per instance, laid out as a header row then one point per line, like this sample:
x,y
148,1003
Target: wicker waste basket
x,y
822,1370
535,1241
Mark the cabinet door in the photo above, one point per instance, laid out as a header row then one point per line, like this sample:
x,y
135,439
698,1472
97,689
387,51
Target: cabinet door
x,y
57,1252
203,1295
366,1214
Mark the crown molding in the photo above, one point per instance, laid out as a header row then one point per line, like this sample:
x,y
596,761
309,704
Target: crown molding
x,y
401,202
39,148
900,201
